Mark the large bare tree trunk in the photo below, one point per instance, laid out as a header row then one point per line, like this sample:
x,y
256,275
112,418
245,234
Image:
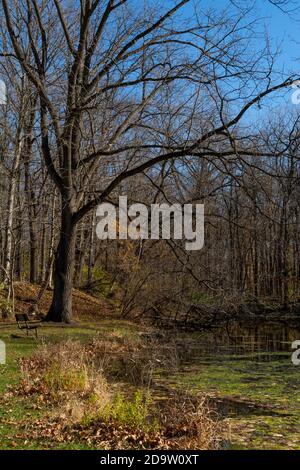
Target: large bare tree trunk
x,y
61,307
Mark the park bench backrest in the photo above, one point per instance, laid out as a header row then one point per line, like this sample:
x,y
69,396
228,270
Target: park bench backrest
x,y
25,323
22,317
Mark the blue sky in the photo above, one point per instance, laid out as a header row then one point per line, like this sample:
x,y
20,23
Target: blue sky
x,y
284,32
284,28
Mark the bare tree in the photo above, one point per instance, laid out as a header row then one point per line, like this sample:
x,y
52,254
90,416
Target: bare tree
x,y
107,74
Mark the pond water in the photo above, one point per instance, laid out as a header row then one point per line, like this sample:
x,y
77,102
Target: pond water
x,y
248,373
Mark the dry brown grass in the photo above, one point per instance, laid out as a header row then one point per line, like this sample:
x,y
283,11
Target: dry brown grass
x,y
62,367
134,361
89,405
85,307
190,423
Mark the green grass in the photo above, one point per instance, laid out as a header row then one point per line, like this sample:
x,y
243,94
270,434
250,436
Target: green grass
x,y
14,410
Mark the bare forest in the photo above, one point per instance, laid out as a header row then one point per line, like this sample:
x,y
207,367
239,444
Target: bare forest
x,y
164,102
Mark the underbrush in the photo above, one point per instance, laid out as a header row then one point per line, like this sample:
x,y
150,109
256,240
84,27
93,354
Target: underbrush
x,y
84,386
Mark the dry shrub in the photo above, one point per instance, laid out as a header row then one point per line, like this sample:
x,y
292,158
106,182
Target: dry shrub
x,y
137,365
63,368
73,377
190,423
133,360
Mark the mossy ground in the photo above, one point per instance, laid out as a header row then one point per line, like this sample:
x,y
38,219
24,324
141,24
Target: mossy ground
x,y
262,391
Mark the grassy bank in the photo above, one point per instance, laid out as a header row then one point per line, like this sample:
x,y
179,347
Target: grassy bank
x,y
91,386
125,370
16,411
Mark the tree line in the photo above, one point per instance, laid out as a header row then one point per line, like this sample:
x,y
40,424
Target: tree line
x,y
149,100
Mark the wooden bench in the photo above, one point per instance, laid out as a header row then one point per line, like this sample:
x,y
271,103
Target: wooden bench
x,y
25,323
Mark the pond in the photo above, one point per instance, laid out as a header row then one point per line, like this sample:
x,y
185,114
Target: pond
x,y
248,373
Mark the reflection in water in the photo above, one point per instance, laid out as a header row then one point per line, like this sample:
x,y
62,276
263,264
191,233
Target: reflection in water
x,y
248,374
238,339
